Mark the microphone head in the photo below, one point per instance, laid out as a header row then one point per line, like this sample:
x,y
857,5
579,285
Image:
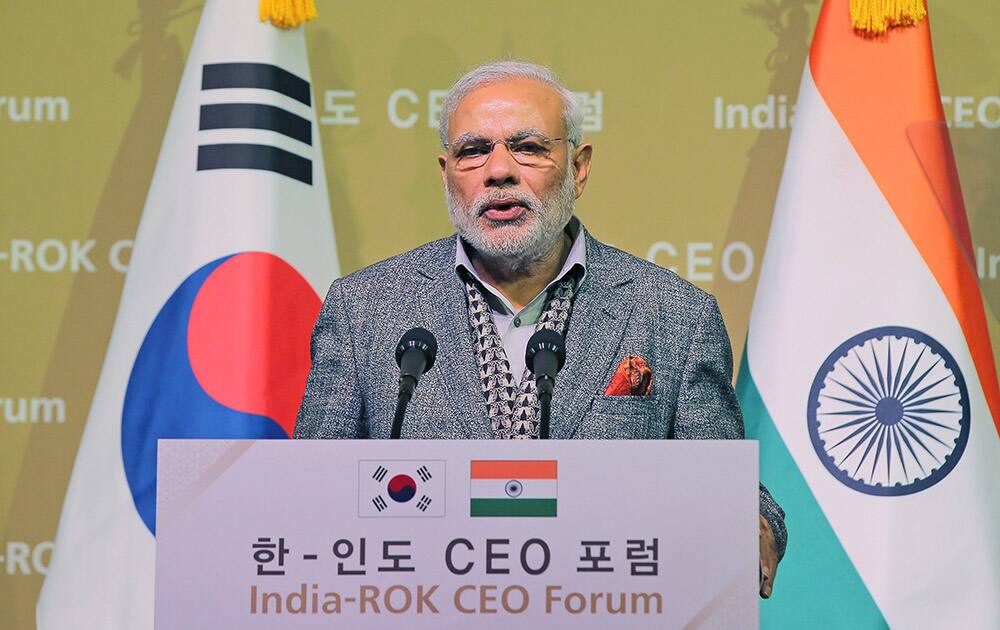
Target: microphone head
x,y
546,339
420,339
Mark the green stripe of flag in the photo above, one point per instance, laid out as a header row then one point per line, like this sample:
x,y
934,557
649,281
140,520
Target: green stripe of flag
x,y
513,507
817,585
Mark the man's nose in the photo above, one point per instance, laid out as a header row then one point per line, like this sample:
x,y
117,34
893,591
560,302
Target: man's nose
x,y
500,168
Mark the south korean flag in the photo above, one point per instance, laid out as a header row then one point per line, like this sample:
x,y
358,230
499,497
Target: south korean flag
x,y
401,488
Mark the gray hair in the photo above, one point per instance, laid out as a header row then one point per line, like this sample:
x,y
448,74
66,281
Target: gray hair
x,y
504,71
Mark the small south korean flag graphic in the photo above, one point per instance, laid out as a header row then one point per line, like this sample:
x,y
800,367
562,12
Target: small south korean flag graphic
x,y
401,488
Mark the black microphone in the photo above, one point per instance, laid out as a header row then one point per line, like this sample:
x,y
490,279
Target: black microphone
x,y
545,356
415,354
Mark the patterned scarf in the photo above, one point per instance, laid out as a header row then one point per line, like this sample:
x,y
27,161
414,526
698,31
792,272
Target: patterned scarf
x,y
513,408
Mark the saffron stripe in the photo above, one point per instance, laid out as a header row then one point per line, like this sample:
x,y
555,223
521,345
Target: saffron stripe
x,y
514,469
512,507
886,99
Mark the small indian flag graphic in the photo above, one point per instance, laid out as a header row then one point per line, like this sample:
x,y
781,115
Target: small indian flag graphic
x,y
513,487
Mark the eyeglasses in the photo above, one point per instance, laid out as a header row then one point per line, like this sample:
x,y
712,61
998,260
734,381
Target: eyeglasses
x,y
531,150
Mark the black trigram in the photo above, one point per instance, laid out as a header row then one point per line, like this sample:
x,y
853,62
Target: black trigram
x,y
380,503
423,503
425,474
255,116
380,473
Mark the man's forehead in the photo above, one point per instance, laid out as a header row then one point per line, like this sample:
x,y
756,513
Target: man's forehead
x,y
507,107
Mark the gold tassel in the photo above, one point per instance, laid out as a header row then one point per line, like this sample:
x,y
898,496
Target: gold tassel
x,y
287,13
877,16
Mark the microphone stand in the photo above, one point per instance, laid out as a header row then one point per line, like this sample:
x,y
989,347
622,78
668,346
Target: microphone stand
x,y
544,413
406,386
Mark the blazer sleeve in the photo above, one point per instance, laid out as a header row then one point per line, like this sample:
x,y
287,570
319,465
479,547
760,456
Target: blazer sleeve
x,y
707,407
332,406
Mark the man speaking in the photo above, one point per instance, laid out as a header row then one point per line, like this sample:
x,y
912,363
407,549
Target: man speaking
x,y
647,354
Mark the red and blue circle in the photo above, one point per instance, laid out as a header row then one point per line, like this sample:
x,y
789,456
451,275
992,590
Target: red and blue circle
x,y
226,357
402,488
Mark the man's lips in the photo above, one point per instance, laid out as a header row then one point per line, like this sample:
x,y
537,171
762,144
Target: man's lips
x,y
504,210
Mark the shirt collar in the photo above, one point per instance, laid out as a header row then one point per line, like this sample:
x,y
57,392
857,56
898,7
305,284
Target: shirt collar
x,y
577,258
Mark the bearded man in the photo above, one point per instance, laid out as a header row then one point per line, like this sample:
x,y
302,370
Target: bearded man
x,y
648,356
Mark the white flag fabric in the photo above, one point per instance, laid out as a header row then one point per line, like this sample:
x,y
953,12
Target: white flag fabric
x,y
868,375
211,339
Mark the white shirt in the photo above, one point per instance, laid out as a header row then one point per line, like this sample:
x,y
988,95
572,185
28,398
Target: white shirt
x,y
516,328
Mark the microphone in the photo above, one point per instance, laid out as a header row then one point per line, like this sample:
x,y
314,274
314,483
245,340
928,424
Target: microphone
x,y
545,356
415,354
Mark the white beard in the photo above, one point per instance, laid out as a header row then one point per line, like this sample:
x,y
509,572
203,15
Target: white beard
x,y
524,241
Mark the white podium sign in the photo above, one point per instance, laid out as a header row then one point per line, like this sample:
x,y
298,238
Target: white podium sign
x,y
456,534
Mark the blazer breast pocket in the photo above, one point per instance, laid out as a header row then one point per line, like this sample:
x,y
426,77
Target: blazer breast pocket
x,y
619,417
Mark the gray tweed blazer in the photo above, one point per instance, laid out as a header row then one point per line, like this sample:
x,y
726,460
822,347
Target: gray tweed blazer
x,y
624,306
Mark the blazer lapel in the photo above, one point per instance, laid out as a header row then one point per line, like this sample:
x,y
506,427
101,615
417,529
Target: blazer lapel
x,y
601,311
444,302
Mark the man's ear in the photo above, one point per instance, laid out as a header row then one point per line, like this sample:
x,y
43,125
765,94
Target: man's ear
x,y
443,163
581,166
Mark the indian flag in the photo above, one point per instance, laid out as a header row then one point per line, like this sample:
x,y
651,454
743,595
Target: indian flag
x,y
513,487
868,375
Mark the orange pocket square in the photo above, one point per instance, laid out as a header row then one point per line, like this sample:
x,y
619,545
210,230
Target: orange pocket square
x,y
632,378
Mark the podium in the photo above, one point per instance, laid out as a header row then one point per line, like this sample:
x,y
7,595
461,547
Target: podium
x,y
456,534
